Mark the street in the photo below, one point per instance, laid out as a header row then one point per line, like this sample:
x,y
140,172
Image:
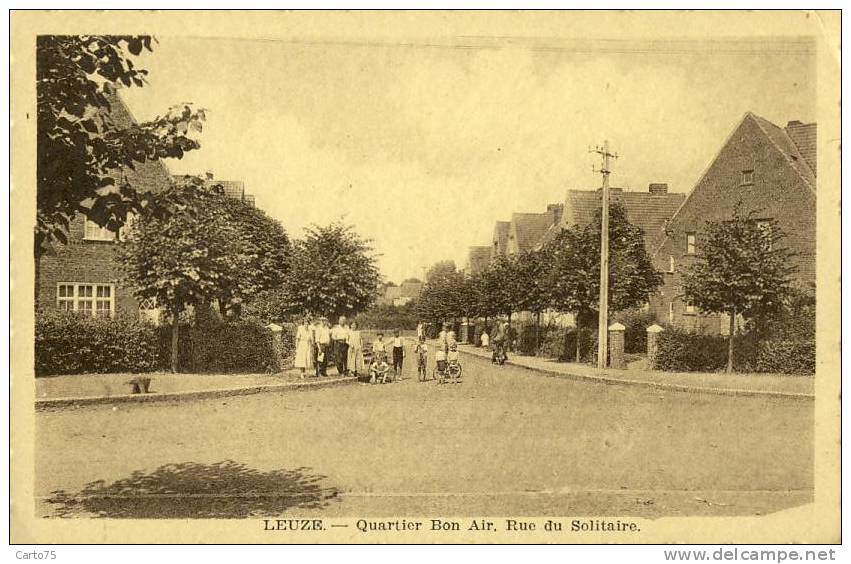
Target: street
x,y
506,441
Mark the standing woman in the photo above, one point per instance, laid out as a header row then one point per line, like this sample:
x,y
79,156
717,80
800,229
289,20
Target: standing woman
x,y
355,353
304,346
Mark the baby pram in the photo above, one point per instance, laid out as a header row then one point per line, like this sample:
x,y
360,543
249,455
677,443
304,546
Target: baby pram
x,y
449,370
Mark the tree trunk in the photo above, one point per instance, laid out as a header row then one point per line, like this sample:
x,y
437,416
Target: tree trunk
x,y
730,341
175,329
537,332
578,340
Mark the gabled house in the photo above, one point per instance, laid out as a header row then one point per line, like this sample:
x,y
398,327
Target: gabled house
x,y
769,170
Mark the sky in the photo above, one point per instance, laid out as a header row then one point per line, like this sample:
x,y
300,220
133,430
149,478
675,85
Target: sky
x,y
423,146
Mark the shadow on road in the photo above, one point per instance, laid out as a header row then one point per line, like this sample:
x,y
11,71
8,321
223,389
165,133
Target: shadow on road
x,y
224,490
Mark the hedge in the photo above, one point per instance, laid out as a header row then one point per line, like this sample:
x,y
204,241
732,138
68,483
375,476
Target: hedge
x,y
560,343
67,343
243,345
680,351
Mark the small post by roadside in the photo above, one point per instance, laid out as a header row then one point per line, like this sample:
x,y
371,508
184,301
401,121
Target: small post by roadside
x,y
277,345
616,346
653,345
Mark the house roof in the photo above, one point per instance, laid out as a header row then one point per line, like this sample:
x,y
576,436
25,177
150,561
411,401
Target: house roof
x,y
781,139
478,258
646,210
410,289
500,235
529,228
148,176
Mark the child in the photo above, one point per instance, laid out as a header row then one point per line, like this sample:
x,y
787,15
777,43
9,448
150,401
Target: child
x,y
398,355
378,370
485,339
421,350
440,357
452,362
379,348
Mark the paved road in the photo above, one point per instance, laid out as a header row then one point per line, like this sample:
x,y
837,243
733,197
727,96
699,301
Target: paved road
x,y
504,442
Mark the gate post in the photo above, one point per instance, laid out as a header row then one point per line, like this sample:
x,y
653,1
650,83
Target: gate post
x,y
616,335
653,345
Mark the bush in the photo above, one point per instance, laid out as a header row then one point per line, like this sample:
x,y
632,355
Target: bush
x,y
68,343
268,306
636,323
242,345
389,317
680,351
560,343
790,357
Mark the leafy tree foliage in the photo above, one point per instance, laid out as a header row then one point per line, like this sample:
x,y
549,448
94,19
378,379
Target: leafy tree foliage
x,y
82,151
741,268
333,272
446,296
440,269
217,248
574,275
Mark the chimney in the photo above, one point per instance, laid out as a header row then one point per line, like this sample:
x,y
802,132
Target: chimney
x,y
557,210
658,188
803,135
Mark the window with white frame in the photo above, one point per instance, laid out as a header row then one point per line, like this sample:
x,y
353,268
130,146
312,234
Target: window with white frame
x,y
691,243
690,309
747,177
94,232
670,312
671,264
97,300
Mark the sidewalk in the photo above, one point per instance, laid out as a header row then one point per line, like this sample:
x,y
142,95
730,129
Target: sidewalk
x,y
90,389
772,385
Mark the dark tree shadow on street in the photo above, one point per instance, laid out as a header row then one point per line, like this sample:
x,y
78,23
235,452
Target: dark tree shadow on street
x,y
224,490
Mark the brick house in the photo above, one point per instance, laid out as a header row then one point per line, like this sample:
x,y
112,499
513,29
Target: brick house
x,y
478,258
769,169
83,275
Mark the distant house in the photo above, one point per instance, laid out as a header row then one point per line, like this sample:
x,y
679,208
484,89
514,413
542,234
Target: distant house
x,y
526,230
400,295
83,275
771,171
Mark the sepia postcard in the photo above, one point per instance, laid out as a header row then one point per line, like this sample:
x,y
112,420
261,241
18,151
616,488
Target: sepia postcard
x,y
372,277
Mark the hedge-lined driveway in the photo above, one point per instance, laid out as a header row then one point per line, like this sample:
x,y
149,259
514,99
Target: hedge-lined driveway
x,y
506,441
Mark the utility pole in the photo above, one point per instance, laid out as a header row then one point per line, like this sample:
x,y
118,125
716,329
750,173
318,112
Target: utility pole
x,y
603,325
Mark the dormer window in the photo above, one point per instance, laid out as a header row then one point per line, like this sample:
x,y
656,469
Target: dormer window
x,y
747,177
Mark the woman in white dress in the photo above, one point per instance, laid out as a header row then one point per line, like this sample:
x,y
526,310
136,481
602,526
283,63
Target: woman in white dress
x,y
355,341
304,346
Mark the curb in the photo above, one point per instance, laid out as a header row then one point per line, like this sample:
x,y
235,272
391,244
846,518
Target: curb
x,y
43,404
656,385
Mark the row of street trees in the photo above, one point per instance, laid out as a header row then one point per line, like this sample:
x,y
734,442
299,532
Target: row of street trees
x,y
562,275
742,269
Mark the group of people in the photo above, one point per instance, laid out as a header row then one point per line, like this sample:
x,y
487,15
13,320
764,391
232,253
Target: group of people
x,y
317,342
